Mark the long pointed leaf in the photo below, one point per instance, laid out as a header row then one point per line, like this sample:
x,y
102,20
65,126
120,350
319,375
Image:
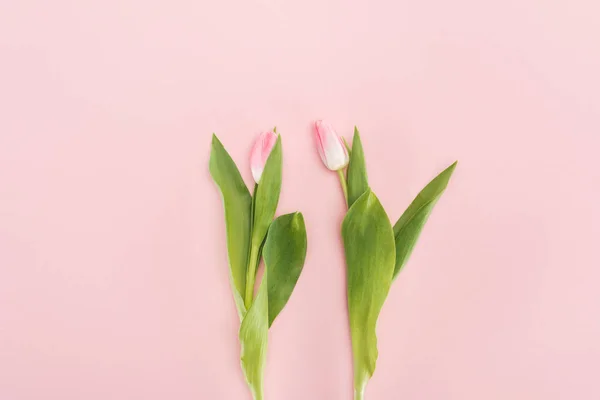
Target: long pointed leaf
x,y
370,255
237,203
409,226
358,183
284,254
267,194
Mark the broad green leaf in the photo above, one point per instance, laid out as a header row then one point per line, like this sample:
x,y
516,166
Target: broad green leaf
x,y
265,203
370,255
357,170
284,253
409,226
253,340
237,203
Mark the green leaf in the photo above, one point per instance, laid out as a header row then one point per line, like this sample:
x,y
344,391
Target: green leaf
x,y
370,255
237,203
357,170
253,340
284,254
346,144
409,226
267,194
266,198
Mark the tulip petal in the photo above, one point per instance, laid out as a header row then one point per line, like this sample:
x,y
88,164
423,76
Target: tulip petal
x,y
260,153
331,148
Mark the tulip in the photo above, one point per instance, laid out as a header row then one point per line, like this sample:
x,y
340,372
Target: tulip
x,y
260,153
331,148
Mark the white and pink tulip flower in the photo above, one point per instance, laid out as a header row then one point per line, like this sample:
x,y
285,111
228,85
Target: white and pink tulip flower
x,y
331,147
260,153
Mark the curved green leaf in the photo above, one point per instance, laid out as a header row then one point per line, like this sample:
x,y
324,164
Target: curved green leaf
x,y
237,203
370,255
266,198
409,226
284,254
358,182
253,340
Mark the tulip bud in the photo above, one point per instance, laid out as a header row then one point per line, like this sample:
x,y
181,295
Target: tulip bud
x,y
260,153
330,146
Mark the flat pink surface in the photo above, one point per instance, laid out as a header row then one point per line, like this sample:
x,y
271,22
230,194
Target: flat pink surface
x,y
113,269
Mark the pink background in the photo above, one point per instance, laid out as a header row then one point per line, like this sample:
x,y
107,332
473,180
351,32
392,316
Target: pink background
x,y
113,271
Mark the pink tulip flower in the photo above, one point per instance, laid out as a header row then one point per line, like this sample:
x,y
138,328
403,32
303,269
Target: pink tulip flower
x,y
260,153
331,148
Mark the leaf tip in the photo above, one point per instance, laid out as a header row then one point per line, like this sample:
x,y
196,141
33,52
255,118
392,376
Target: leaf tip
x,y
451,168
347,146
298,219
215,140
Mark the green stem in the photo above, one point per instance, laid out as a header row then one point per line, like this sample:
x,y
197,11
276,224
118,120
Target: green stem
x,y
343,183
251,276
252,258
359,395
257,393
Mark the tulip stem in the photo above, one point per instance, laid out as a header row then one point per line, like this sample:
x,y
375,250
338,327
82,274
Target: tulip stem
x,y
251,263
344,184
251,276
